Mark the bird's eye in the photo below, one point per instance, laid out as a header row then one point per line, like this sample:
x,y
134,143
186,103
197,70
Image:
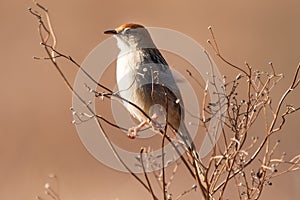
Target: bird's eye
x,y
126,30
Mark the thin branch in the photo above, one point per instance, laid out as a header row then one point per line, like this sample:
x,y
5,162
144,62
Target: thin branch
x,y
146,176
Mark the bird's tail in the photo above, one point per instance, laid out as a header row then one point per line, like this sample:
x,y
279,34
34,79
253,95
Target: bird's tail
x,y
193,155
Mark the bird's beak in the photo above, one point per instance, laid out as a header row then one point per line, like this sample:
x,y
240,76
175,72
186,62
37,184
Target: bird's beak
x,y
113,32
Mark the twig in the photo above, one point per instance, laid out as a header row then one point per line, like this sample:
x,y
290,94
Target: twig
x,y
146,176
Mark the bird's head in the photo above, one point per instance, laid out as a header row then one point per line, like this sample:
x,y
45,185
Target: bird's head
x,y
131,36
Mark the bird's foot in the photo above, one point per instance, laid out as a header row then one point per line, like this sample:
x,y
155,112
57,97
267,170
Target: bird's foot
x,y
132,132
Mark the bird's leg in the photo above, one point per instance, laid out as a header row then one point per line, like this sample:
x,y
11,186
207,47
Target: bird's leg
x,y
132,132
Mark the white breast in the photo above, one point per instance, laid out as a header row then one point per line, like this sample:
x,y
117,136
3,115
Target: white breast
x,y
127,85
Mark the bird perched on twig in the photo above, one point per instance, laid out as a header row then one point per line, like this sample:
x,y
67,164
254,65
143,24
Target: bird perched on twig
x,y
145,79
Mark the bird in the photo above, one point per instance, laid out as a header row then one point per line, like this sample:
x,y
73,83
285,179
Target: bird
x,y
146,84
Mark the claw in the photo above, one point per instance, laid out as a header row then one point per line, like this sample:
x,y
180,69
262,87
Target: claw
x,y
132,132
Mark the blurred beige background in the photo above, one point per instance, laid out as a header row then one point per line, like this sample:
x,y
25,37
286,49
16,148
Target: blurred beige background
x,y
37,137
